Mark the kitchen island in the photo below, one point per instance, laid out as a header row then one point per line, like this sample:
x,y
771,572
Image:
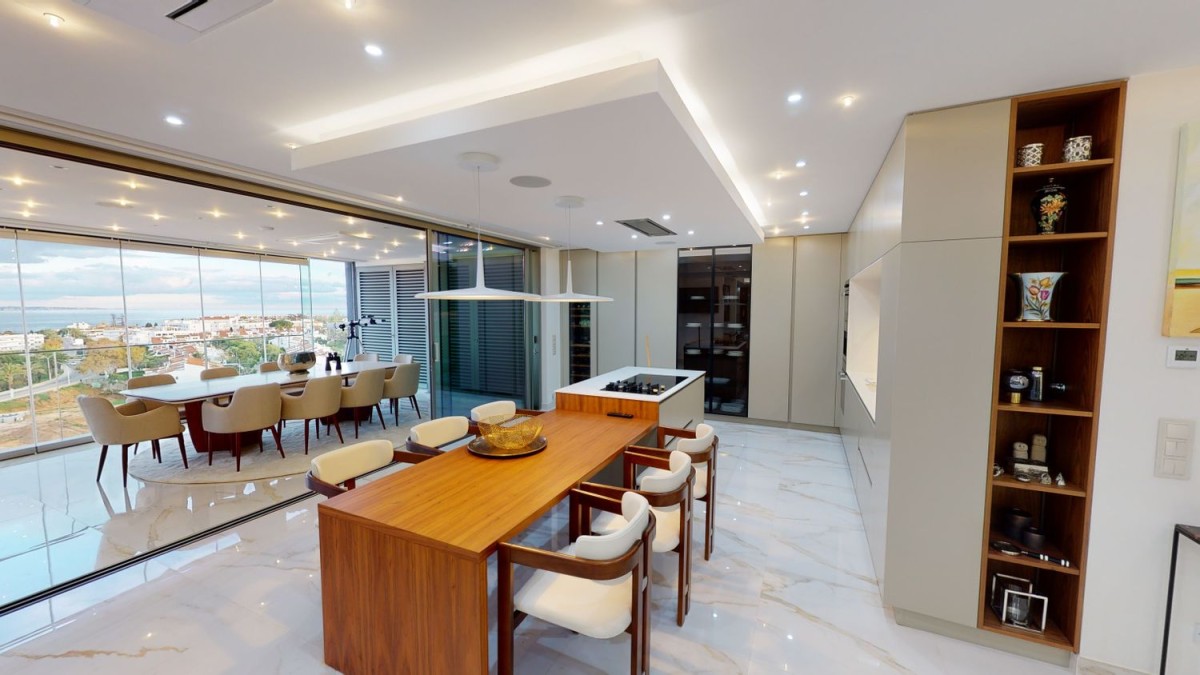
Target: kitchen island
x,y
670,397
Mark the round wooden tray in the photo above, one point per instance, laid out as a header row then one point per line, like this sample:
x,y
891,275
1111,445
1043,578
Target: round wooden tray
x,y
480,446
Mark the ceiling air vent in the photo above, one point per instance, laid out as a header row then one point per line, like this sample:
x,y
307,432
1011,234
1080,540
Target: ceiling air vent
x,y
646,226
174,20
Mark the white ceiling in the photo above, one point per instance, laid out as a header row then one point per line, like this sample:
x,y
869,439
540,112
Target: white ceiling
x,y
295,72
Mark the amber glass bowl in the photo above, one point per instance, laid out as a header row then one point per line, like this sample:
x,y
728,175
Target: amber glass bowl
x,y
510,433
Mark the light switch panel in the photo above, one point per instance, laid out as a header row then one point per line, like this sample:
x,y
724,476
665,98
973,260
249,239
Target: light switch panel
x,y
1179,356
1176,439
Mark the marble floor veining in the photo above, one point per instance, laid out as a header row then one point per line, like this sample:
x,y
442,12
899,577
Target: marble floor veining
x,y
790,588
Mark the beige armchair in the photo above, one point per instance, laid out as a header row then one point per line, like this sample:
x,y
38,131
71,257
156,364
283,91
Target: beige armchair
x,y
402,358
366,356
365,392
269,367
403,383
336,471
150,381
251,409
218,372
127,425
320,400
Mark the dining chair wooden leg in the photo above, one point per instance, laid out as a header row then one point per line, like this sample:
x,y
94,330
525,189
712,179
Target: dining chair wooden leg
x,y
278,444
125,465
504,629
356,423
413,400
337,426
709,527
395,403
156,450
208,442
380,411
100,467
306,437
237,454
182,452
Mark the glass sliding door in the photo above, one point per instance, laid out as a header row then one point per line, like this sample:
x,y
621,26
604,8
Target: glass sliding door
x,y
480,347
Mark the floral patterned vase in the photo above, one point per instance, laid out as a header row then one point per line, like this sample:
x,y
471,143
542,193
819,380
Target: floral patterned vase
x,y
1049,206
1037,292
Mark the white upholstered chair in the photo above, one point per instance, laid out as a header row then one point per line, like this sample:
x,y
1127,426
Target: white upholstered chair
x,y
321,399
128,424
701,445
335,472
365,392
150,381
254,408
670,498
427,438
366,356
269,367
499,408
597,586
402,358
218,372
403,383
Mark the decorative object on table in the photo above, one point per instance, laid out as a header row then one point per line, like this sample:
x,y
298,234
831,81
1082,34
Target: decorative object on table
x,y
1037,448
510,434
1020,450
1077,149
1057,390
1014,397
1060,481
1045,479
1037,292
1181,313
353,325
1016,380
1006,582
297,362
1049,207
1026,611
1028,472
997,471
480,446
1037,383
1014,520
337,361
477,162
328,362
1030,154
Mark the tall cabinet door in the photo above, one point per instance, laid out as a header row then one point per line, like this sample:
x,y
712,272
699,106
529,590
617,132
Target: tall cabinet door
x,y
815,329
617,279
770,361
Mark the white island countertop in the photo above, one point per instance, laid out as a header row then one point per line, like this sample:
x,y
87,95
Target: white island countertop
x,y
595,386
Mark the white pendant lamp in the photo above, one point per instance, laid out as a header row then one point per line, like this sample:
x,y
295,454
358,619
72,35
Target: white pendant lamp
x,y
569,202
477,161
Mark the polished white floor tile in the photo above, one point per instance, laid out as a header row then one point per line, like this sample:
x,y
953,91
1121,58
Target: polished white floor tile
x,y
789,588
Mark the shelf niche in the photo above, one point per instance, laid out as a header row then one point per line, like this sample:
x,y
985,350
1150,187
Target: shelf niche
x,y
1070,349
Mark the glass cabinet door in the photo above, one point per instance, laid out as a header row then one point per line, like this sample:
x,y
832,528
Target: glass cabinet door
x,y
714,324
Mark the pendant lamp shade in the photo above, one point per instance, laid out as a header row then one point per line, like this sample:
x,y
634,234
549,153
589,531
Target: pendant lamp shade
x,y
477,161
569,202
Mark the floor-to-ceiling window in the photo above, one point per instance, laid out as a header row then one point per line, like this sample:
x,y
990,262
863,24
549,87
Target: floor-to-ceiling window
x,y
82,315
480,347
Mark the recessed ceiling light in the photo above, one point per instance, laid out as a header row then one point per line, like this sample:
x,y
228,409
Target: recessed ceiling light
x,y
279,213
349,4
395,242
804,193
216,213
377,256
17,180
26,214
769,202
341,243
357,247
399,198
599,222
804,213
373,50
123,203
546,238
30,203
847,101
421,235
795,97
666,216
292,146
115,227
157,216
261,246
633,236
54,20
807,226
386,251
349,220
295,243
173,120
800,164
691,232
778,175
776,230
133,184
240,235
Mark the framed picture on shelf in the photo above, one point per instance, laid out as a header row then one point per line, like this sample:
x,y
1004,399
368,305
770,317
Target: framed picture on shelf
x,y
1024,611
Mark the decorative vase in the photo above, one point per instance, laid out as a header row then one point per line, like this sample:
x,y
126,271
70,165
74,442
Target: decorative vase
x,y
1037,292
1077,149
1030,155
1049,206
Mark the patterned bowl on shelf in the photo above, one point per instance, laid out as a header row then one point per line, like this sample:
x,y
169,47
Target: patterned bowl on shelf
x,y
510,433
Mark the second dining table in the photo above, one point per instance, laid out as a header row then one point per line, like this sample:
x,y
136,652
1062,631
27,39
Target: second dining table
x,y
192,395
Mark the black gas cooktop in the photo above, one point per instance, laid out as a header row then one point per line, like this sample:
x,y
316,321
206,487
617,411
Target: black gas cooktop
x,y
652,385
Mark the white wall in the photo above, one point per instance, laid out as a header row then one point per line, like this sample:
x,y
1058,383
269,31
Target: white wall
x,y
1133,512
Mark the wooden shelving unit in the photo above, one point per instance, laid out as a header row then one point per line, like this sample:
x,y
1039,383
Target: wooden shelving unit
x,y
1070,349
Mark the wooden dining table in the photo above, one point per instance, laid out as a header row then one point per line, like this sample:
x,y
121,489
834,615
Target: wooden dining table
x,y
404,581
192,395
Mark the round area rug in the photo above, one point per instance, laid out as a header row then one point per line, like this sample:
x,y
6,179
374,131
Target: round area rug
x,y
256,465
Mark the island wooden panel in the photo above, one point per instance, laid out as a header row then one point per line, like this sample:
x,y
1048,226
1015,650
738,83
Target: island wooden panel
x,y
404,558
602,405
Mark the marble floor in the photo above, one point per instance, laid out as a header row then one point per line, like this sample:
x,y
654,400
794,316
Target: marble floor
x,y
790,588
57,523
